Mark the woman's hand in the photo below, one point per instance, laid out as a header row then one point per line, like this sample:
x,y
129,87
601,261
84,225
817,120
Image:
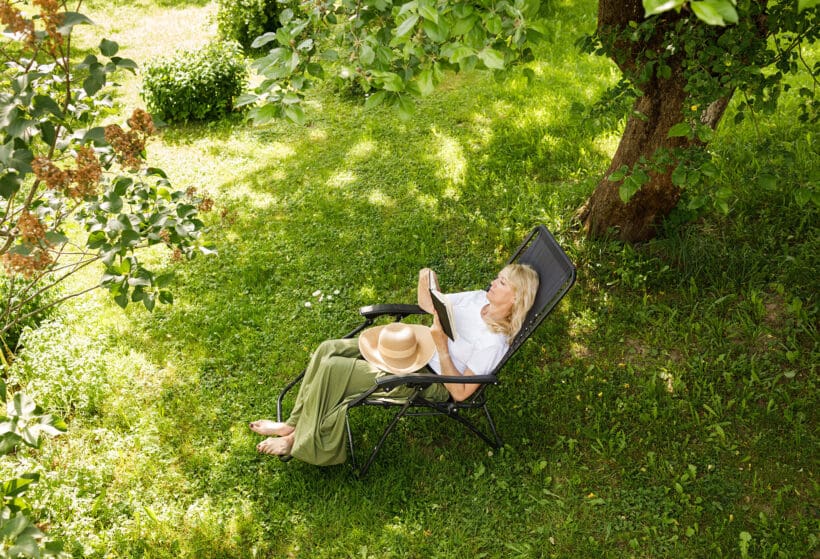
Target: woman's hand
x,y
439,337
423,296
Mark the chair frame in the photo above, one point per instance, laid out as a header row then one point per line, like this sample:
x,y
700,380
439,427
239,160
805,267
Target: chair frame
x,y
538,249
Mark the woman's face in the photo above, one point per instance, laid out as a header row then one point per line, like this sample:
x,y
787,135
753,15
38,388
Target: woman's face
x,y
501,291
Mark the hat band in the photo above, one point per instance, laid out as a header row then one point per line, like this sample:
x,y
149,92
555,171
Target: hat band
x,y
397,353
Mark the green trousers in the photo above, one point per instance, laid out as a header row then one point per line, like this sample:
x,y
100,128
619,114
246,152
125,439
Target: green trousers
x,y
335,375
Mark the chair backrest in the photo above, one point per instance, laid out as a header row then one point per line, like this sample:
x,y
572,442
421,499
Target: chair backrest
x,y
556,275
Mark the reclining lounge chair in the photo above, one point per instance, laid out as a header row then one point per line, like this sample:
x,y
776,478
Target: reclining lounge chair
x,y
556,276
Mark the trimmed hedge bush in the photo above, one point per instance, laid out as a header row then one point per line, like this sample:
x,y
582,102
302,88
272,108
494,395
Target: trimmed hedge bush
x,y
244,20
195,85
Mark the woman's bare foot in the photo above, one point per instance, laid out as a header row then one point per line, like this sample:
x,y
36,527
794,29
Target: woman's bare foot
x,y
277,446
268,428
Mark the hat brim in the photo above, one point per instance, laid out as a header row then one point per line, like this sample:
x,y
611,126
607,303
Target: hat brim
x,y
369,348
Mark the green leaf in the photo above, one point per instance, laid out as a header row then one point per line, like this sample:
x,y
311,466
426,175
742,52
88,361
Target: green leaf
x,y
425,81
108,48
767,181
427,10
618,174
246,99
113,203
9,184
315,70
367,54
45,104
121,299
295,113
491,58
437,32
460,53
25,546
375,99
390,81
93,83
19,485
95,135
96,240
149,300
680,129
130,238
709,169
8,442
628,188
806,4
406,26
70,19
48,132
679,175
704,133
406,106
802,196
125,63
654,7
714,12
463,25
263,40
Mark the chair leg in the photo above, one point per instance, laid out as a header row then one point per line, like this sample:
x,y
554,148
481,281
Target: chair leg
x,y
350,441
494,441
498,442
366,466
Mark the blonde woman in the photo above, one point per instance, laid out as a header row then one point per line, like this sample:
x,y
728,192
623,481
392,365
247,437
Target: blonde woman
x,y
341,370
486,322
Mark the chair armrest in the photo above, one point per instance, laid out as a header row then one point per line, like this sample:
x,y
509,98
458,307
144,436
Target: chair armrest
x,y
426,379
398,310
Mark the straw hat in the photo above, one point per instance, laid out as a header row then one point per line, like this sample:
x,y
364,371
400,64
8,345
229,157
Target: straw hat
x,y
397,348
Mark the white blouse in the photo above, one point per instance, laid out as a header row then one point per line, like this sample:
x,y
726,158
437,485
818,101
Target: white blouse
x,y
476,346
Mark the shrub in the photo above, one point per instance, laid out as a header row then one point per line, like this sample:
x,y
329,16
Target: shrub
x,y
195,85
31,308
244,20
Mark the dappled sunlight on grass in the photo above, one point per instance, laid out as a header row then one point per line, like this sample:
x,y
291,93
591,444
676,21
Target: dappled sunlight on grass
x,y
377,197
341,179
450,156
362,150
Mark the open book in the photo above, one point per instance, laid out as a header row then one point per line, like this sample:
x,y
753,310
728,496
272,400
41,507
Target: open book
x,y
444,309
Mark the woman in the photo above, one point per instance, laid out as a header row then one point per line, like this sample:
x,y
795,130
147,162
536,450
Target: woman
x,y
485,322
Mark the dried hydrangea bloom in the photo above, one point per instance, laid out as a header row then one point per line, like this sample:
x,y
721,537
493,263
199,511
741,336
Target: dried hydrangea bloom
x,y
48,172
26,265
30,227
13,20
128,146
88,174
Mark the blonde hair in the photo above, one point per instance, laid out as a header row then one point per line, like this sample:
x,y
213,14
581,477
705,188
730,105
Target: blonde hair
x,y
524,281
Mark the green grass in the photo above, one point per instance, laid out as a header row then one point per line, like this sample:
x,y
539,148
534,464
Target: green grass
x,y
667,409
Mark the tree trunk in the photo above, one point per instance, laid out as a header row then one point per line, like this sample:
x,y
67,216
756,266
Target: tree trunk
x,y
605,214
659,108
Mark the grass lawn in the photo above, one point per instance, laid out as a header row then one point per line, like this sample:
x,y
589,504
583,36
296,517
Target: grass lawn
x,y
668,408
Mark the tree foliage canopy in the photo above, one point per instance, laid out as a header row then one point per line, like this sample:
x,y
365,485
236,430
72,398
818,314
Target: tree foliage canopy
x,y
391,50
74,192
692,55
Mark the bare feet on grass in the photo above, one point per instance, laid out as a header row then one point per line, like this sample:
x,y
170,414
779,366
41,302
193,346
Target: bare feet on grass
x,y
268,428
277,446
